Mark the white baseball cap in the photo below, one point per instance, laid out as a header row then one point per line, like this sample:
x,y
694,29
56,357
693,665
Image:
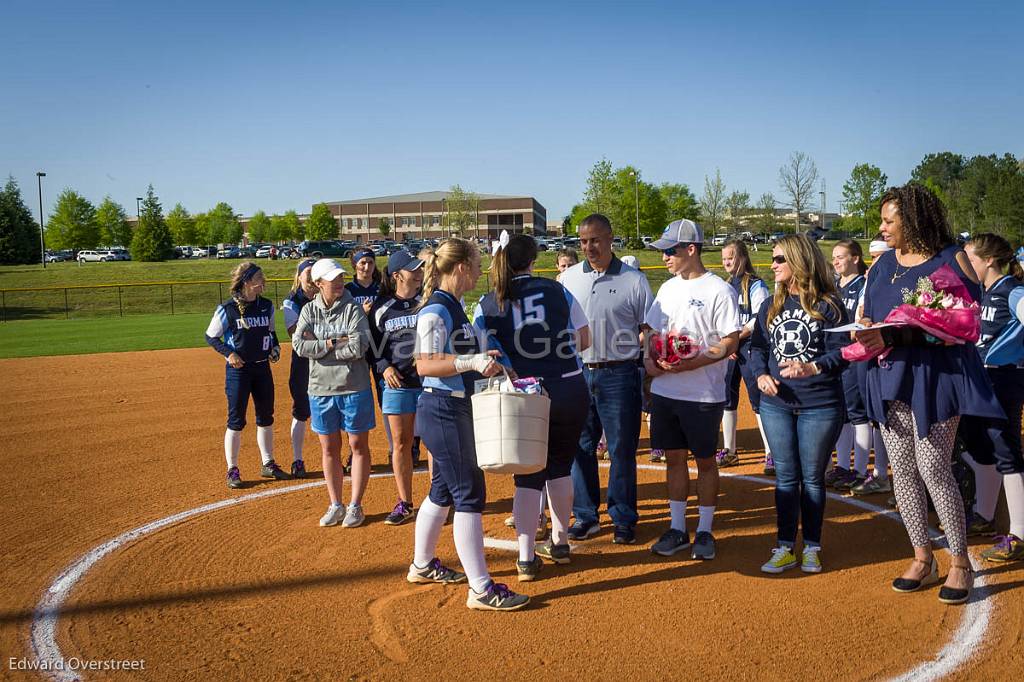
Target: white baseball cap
x,y
327,269
679,232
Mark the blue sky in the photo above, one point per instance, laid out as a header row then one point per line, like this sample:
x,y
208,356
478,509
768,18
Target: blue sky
x,y
278,105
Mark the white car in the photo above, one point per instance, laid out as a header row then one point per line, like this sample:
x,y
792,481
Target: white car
x,y
263,251
90,256
719,239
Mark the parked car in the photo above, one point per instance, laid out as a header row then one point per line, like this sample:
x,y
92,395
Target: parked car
x,y
719,239
95,256
59,256
229,252
118,254
263,251
320,249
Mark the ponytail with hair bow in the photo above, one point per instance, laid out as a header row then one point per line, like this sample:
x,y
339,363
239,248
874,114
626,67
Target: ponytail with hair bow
x,y
500,244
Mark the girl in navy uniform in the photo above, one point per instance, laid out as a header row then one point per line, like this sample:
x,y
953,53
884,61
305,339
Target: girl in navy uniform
x,y
539,328
919,391
995,448
751,292
393,327
303,291
365,284
450,359
242,330
849,266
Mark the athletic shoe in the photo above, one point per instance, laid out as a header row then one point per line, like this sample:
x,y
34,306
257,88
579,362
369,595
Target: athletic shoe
x,y
558,554
837,473
510,522
347,466
811,562
542,526
624,535
271,470
298,469
434,572
354,517
584,531
334,516
703,546
782,559
726,458
234,478
670,542
1008,548
657,456
891,501
497,597
848,480
529,570
872,485
979,526
402,512
769,465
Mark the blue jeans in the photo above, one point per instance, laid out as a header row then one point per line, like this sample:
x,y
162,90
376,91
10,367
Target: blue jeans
x,y
615,401
801,441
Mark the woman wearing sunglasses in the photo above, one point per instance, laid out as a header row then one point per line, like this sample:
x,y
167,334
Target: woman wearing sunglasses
x,y
799,367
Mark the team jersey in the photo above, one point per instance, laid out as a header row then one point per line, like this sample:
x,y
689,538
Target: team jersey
x,y
757,292
393,328
363,294
851,295
442,327
536,330
292,306
252,336
1002,336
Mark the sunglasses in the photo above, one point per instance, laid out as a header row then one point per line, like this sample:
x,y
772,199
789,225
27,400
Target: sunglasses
x,y
675,249
779,260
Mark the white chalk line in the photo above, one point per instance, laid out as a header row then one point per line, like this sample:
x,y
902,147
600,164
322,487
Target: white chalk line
x,y
968,636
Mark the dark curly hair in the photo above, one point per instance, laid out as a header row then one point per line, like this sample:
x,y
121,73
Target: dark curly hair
x,y
922,218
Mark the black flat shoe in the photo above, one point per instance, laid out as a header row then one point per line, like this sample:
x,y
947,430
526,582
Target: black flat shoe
x,y
905,585
953,595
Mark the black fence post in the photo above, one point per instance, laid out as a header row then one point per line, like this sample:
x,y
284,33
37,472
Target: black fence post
x,y
67,308
220,292
3,305
120,305
172,299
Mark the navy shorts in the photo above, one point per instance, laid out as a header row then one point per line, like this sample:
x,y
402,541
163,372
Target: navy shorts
x,y
570,405
446,426
856,411
298,386
252,379
685,425
998,442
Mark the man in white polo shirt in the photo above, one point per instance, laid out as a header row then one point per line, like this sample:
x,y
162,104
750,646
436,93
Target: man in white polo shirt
x,y
615,299
688,395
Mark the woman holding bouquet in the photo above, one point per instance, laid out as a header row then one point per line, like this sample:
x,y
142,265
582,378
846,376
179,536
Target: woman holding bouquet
x,y
918,391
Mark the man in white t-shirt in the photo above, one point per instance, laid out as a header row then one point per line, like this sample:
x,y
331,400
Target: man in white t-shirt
x,y
688,395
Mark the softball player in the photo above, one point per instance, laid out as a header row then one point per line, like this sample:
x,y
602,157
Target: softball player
x,y
450,359
242,330
303,291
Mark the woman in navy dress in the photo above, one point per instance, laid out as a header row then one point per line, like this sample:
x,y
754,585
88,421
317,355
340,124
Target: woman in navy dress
x,y
919,390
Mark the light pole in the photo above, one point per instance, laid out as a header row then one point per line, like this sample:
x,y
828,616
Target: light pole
x,y
636,199
822,193
42,241
138,207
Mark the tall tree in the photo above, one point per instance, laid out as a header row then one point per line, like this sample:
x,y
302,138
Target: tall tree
x,y
73,223
862,192
224,227
384,226
462,209
797,179
321,224
623,214
113,223
152,239
679,201
712,202
184,230
19,233
259,228
600,195
202,229
737,202
296,229
766,220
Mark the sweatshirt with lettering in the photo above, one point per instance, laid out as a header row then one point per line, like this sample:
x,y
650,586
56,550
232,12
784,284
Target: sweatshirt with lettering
x,y
342,370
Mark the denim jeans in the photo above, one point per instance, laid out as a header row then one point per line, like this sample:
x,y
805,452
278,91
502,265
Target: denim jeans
x,y
615,401
801,440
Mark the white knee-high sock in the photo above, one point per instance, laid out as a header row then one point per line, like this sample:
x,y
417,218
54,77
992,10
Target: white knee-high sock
x,y
543,503
560,494
843,447
232,443
881,454
729,430
764,438
429,521
469,543
525,503
1014,485
298,436
986,483
265,439
861,447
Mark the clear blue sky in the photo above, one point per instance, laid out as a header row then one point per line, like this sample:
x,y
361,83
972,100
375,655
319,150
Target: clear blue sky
x,y
279,105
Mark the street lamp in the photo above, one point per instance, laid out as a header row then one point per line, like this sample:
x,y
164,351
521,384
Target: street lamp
x,y
636,199
822,193
138,207
42,242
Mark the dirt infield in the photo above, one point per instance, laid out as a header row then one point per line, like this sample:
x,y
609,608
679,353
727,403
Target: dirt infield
x,y
94,446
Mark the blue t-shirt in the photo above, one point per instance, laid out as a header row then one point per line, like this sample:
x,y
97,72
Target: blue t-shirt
x,y
850,295
1002,337
393,331
251,334
363,294
442,327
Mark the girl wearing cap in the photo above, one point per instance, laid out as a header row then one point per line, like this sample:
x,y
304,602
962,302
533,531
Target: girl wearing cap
x,y
365,285
332,332
393,327
303,291
547,349
242,330
450,359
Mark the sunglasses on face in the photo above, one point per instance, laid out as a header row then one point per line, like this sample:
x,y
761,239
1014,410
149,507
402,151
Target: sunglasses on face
x,y
779,260
671,251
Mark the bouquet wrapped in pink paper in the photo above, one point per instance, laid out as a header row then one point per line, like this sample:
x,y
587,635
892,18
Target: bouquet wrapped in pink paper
x,y
940,306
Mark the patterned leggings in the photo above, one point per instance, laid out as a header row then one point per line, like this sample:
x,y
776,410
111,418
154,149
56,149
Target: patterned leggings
x,y
920,462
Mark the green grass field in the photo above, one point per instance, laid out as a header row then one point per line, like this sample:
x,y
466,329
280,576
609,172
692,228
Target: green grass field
x,y
81,314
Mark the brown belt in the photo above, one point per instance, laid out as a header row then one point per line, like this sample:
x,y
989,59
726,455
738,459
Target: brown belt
x,y
611,363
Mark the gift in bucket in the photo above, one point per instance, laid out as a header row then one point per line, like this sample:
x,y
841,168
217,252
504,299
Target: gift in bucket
x,y
510,428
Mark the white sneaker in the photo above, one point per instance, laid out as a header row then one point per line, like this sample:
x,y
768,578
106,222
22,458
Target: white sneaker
x,y
355,516
334,515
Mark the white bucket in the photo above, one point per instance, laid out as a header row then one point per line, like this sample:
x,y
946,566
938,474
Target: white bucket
x,y
511,431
